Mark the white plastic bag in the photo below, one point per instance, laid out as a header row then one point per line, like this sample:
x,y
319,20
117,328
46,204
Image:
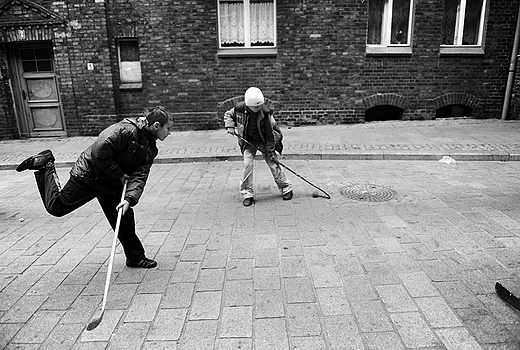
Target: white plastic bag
x,y
447,160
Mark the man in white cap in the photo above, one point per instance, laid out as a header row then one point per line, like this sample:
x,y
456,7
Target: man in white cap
x,y
253,121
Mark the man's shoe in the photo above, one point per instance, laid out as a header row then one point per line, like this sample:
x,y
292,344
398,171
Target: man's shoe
x,y
288,196
36,162
145,263
248,201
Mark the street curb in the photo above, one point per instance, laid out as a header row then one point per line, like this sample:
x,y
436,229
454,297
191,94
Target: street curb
x,y
327,155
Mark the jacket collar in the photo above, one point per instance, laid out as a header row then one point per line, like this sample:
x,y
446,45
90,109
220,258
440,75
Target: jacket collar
x,y
260,113
141,128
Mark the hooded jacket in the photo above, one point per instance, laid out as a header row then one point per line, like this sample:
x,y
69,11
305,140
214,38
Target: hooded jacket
x,y
238,118
121,149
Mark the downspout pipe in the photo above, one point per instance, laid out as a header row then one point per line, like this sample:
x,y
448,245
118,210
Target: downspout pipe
x,y
512,68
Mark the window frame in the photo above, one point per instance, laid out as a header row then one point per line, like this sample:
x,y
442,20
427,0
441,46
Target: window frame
x,y
458,48
128,85
386,47
36,61
247,49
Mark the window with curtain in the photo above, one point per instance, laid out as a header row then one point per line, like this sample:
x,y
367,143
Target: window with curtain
x,y
247,23
463,22
389,22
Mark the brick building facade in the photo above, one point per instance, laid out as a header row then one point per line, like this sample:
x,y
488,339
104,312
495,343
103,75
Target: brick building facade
x,y
63,68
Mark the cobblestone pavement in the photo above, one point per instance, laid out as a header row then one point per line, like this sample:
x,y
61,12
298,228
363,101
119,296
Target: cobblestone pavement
x,y
416,271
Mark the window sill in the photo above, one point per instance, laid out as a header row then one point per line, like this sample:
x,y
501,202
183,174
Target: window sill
x,y
249,52
461,50
132,86
389,50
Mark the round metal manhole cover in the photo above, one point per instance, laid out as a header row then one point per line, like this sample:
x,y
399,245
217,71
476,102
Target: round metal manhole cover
x,y
368,192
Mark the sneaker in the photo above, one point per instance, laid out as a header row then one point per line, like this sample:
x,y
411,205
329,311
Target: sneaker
x,y
36,162
144,263
248,201
288,196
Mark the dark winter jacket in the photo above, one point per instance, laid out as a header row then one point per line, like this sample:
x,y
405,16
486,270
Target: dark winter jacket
x,y
238,117
121,149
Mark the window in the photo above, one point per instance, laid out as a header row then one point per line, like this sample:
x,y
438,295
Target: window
x,y
463,24
129,63
36,59
389,26
247,25
454,111
383,112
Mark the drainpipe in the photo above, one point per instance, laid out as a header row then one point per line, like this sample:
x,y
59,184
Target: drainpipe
x,y
512,68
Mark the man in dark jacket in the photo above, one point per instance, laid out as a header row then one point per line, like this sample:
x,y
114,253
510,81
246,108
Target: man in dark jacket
x,y
253,121
123,151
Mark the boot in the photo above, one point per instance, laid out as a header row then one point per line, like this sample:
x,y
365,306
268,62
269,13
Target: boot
x,y
36,162
248,201
288,196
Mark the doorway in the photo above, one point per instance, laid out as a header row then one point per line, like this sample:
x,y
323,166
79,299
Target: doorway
x,y
35,90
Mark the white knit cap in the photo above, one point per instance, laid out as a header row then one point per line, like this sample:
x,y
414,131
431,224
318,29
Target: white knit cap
x,y
254,97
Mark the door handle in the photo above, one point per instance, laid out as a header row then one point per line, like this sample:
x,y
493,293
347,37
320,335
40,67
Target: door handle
x,y
24,94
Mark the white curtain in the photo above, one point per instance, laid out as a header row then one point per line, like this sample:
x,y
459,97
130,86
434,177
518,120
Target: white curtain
x,y
232,23
262,22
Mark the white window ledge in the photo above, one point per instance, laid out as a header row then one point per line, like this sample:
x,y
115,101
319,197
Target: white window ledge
x,y
388,50
132,86
461,50
249,52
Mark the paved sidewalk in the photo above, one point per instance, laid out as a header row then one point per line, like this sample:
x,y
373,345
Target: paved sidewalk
x,y
415,270
462,139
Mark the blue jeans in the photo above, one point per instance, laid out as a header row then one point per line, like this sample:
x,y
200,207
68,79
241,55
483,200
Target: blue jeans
x,y
246,181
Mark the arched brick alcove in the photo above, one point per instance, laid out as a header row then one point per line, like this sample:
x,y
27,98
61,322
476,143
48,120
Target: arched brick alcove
x,y
455,98
382,99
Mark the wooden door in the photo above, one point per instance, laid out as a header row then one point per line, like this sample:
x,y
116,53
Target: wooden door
x,y
36,92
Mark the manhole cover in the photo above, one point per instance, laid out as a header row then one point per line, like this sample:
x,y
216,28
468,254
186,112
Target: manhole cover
x,y
368,193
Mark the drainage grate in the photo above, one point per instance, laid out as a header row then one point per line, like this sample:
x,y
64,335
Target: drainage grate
x,y
368,193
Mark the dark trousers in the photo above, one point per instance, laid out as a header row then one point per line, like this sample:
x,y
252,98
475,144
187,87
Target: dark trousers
x,y
61,201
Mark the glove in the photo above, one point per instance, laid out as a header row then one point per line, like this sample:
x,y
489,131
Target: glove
x,y
231,131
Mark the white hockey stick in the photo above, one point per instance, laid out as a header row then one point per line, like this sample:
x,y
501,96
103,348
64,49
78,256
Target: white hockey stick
x,y
97,320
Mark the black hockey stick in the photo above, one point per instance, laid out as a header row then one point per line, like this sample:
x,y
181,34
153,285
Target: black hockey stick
x,y
286,167
506,296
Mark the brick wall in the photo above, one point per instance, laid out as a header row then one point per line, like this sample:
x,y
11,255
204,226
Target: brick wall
x,y
84,92
94,124
8,126
320,74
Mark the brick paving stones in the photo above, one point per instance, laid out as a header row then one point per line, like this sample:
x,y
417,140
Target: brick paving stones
x,y
414,272
368,284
